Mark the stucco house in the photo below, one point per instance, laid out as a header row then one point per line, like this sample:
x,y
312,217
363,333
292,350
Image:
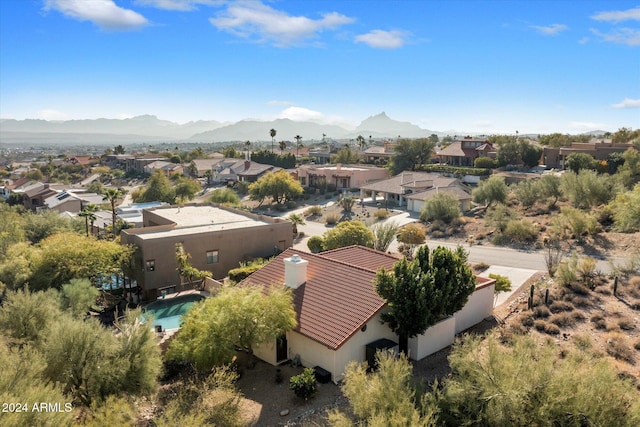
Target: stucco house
x,y
342,176
338,310
218,238
244,170
412,189
555,157
463,152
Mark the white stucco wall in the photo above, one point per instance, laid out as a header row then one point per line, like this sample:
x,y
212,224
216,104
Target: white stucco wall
x,y
479,306
435,338
355,347
266,352
311,352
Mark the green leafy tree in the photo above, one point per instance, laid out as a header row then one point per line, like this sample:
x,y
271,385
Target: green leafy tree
x,y
493,190
586,188
11,227
421,292
629,172
549,187
484,163
186,189
224,196
158,189
528,193
236,318
382,398
503,284
410,154
508,149
530,154
78,296
279,186
40,225
315,244
348,233
626,211
442,206
384,233
18,265
555,140
578,161
344,156
119,149
24,316
411,236
623,135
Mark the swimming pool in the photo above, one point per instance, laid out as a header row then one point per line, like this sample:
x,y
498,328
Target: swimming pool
x,y
168,312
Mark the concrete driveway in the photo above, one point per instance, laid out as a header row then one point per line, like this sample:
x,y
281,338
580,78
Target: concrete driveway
x,y
518,277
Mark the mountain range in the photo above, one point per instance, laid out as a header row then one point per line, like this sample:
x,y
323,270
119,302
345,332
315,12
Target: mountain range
x,y
148,128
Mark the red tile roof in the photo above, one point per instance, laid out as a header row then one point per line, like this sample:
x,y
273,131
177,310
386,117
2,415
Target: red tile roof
x,y
338,297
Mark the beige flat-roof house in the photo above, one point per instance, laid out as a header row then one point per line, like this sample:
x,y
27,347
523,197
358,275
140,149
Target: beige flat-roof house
x,y
338,310
555,157
217,238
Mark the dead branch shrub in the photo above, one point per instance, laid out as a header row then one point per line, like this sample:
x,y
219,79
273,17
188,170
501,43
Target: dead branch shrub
x,y
546,327
626,324
599,321
525,320
559,306
633,287
541,312
578,288
481,266
562,319
581,302
617,346
331,218
313,211
578,315
637,345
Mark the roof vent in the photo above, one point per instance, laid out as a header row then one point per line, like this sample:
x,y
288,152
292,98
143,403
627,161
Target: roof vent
x,y
295,271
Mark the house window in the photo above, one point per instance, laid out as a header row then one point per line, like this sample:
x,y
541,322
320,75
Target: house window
x,y
212,257
303,180
151,265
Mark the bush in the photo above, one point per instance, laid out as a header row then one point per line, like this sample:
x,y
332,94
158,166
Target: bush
x,y
520,231
381,214
442,207
484,163
332,218
239,274
304,385
315,244
599,321
618,347
559,306
541,311
313,211
225,195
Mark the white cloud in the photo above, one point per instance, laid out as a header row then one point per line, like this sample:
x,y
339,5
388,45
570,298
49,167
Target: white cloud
x,y
628,36
550,30
103,13
177,5
300,114
383,39
49,114
586,126
584,40
618,15
627,103
255,21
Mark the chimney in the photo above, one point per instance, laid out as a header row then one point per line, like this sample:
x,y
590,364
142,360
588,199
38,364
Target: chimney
x,y
338,166
295,271
247,164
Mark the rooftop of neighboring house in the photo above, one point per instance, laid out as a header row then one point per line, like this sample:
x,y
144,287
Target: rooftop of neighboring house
x,y
204,165
337,296
455,191
410,182
340,167
467,147
195,219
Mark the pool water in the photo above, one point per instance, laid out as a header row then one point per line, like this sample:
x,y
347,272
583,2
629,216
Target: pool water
x,y
168,312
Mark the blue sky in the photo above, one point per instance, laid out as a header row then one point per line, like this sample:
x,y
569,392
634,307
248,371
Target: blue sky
x,y
477,66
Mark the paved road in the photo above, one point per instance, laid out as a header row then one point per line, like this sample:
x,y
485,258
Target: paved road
x,y
492,255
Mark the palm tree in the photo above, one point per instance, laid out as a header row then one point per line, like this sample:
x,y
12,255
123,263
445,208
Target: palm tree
x,y
87,213
112,195
299,144
361,142
282,146
247,145
272,132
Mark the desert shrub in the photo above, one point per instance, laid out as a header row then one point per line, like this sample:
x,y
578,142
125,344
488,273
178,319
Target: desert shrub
x,y
563,319
626,211
528,193
541,311
626,324
381,214
291,204
540,325
599,321
578,315
226,196
637,345
499,216
580,301
331,218
315,244
559,306
313,211
304,385
484,163
520,231
442,206
617,346
481,266
526,320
